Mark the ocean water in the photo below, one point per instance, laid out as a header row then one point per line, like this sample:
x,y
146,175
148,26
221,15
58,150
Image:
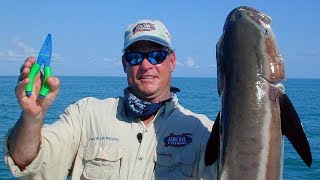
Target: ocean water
x,y
197,94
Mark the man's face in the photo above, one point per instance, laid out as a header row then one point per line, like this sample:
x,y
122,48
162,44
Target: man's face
x,y
147,81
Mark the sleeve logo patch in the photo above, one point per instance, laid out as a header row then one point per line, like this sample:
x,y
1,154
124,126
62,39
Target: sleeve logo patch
x,y
178,140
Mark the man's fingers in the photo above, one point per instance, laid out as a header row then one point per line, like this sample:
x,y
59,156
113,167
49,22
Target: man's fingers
x,y
24,74
20,92
25,68
54,84
27,63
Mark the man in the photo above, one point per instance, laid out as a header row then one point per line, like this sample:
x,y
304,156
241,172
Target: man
x,y
146,134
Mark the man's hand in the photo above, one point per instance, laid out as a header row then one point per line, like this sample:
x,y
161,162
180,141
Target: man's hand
x,y
34,107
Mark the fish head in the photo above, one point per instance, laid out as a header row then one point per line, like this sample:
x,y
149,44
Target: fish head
x,y
248,48
271,65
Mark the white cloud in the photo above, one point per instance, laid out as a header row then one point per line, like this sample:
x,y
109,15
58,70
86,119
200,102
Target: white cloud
x,y
190,63
178,63
23,47
107,61
212,65
11,56
20,51
56,57
311,52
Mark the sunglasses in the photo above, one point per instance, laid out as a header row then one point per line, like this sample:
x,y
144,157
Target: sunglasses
x,y
154,57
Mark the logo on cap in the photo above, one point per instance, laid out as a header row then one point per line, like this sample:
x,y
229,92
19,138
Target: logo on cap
x,y
143,27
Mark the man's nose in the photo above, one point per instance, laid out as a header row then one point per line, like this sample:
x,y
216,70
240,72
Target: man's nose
x,y
146,64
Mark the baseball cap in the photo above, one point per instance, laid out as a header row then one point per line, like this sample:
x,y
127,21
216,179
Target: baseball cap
x,y
148,30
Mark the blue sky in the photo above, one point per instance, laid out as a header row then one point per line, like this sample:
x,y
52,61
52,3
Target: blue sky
x,y
88,35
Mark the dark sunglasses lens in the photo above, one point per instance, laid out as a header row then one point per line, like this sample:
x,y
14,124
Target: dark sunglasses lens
x,y
157,57
133,58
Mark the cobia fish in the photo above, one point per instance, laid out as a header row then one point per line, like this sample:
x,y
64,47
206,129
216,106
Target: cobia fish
x,y
247,136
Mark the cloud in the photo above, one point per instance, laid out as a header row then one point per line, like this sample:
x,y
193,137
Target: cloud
x,y
10,56
21,50
178,63
106,61
188,62
191,63
311,52
23,47
212,65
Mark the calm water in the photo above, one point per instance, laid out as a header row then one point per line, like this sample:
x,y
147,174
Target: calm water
x,y
197,94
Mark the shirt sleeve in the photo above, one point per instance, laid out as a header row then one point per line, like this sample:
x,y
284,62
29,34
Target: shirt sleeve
x,y
59,144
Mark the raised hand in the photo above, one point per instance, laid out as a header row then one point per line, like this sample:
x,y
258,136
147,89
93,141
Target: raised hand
x,y
33,106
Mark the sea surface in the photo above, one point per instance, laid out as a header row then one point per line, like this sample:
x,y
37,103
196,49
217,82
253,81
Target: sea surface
x,y
197,94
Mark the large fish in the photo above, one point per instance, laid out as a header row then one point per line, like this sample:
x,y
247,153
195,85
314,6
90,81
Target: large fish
x,y
246,138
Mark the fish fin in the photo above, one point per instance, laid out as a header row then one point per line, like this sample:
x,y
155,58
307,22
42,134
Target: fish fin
x,y
292,128
212,148
220,66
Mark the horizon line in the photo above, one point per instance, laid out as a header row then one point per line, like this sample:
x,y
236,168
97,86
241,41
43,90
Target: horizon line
x,y
314,78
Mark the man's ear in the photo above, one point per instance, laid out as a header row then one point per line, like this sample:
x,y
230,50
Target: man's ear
x,y
124,64
172,61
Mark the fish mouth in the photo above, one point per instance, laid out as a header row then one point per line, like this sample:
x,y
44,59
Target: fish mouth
x,y
275,88
277,85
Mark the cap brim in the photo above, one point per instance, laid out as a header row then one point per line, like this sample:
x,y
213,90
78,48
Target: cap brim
x,y
147,38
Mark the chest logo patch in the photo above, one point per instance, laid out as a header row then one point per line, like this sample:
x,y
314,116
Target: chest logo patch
x,y
178,140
